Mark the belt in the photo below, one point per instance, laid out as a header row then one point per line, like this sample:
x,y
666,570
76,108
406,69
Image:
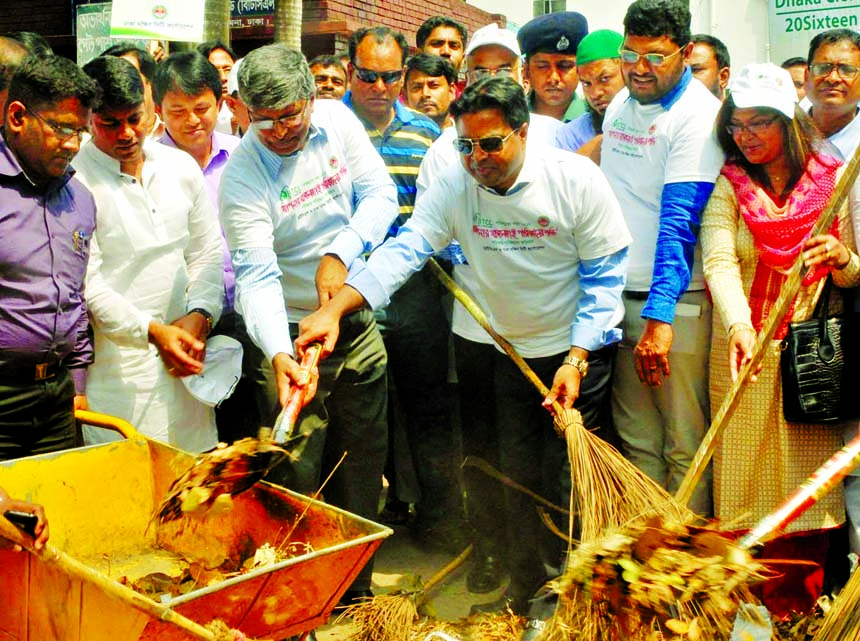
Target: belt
x,y
630,295
30,373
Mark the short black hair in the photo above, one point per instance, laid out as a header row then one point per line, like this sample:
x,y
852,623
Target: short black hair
x,y
832,37
33,42
500,93
40,82
721,52
381,34
433,66
205,48
187,72
144,59
327,60
432,23
795,61
655,18
120,83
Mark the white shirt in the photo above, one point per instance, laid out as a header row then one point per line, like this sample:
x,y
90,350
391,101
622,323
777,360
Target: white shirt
x,y
282,214
156,255
525,249
847,139
441,155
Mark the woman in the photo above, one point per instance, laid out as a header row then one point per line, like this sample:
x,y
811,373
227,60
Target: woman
x,y
770,193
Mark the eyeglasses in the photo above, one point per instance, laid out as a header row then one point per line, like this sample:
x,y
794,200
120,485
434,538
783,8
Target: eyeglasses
x,y
488,144
284,121
502,72
653,59
62,132
845,71
756,127
370,77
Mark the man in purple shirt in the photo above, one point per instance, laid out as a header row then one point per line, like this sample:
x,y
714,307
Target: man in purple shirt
x,y
187,92
47,218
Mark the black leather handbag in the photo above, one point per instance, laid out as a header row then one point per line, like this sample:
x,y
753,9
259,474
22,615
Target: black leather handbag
x,y
820,365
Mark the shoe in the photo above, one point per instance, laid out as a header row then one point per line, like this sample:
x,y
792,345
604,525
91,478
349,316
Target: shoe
x,y
451,538
395,512
353,597
517,606
486,574
533,630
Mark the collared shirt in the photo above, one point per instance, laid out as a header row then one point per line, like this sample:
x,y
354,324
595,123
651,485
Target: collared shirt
x,y
43,258
549,256
222,146
574,134
650,154
576,108
281,214
402,146
847,139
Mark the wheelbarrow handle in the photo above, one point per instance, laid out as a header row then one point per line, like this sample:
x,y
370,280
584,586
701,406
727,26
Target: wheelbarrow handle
x,y
108,422
824,479
288,415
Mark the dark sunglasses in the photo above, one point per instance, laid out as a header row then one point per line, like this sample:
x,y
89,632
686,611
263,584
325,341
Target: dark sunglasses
x,y
370,77
489,144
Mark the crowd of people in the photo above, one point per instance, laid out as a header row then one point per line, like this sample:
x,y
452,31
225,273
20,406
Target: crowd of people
x,y
150,206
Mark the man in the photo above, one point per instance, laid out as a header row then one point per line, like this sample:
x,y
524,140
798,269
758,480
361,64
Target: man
x,y
241,120
187,92
145,64
710,63
329,77
430,87
833,83
549,43
444,37
598,65
491,52
505,201
414,325
155,281
222,58
12,54
47,218
306,183
796,67
660,154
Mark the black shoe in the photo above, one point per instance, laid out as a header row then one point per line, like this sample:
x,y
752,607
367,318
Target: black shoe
x,y
451,538
486,574
395,512
533,630
517,606
353,597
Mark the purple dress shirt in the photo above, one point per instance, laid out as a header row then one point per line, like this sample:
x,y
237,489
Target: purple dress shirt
x,y
222,146
46,234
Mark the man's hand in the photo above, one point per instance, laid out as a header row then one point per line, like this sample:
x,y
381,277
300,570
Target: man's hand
x,y
331,275
41,529
651,354
195,324
80,402
565,388
323,326
289,374
178,348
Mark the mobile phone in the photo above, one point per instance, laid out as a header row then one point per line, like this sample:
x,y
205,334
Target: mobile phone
x,y
25,521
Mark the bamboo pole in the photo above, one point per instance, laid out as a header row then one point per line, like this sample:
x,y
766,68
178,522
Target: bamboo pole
x,y
774,319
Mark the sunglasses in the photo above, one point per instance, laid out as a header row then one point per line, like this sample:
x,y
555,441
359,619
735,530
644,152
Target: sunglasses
x,y
61,132
653,59
845,71
370,77
489,144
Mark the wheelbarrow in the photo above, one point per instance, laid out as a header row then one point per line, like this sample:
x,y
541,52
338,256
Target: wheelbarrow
x,y
100,501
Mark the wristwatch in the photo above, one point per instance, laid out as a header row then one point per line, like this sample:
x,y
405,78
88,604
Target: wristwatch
x,y
579,363
205,315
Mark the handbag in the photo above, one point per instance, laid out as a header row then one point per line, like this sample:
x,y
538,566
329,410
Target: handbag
x,y
820,365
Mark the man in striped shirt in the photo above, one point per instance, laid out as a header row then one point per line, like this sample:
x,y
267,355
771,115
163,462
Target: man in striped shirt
x,y
414,325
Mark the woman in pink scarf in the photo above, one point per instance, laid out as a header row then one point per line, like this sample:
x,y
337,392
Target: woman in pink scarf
x,y
770,193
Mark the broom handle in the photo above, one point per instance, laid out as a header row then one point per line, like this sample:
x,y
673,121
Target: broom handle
x,y
774,319
71,566
478,314
287,417
824,479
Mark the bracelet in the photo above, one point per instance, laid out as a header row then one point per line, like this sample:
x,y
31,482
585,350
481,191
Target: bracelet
x,y
206,315
737,327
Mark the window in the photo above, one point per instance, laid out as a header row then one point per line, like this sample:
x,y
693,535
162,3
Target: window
x,y
542,7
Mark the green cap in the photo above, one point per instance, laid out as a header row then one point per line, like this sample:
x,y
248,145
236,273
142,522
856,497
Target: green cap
x,y
599,45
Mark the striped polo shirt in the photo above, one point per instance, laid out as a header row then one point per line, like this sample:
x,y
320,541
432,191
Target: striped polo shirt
x,y
402,146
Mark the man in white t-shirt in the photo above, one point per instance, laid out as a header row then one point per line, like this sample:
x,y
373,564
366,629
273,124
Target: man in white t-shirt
x,y
661,157
302,197
548,246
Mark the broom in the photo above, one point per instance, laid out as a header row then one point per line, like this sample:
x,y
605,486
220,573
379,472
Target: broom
x,y
609,491
842,622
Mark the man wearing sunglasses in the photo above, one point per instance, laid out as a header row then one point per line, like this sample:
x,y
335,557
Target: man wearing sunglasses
x,y
548,245
303,196
661,157
833,87
47,218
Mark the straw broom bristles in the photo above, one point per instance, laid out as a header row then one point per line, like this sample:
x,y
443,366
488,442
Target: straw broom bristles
x,y
842,622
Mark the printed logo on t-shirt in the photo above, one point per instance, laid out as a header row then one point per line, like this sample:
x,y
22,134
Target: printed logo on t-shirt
x,y
628,140
505,236
315,192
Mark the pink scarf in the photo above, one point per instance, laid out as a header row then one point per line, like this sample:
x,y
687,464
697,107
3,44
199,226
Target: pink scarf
x,y
779,232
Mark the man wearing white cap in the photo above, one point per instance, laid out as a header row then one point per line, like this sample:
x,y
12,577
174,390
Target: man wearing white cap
x,y
241,118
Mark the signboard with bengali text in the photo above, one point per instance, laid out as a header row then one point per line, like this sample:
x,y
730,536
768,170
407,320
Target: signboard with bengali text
x,y
92,31
793,23
179,20
252,13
